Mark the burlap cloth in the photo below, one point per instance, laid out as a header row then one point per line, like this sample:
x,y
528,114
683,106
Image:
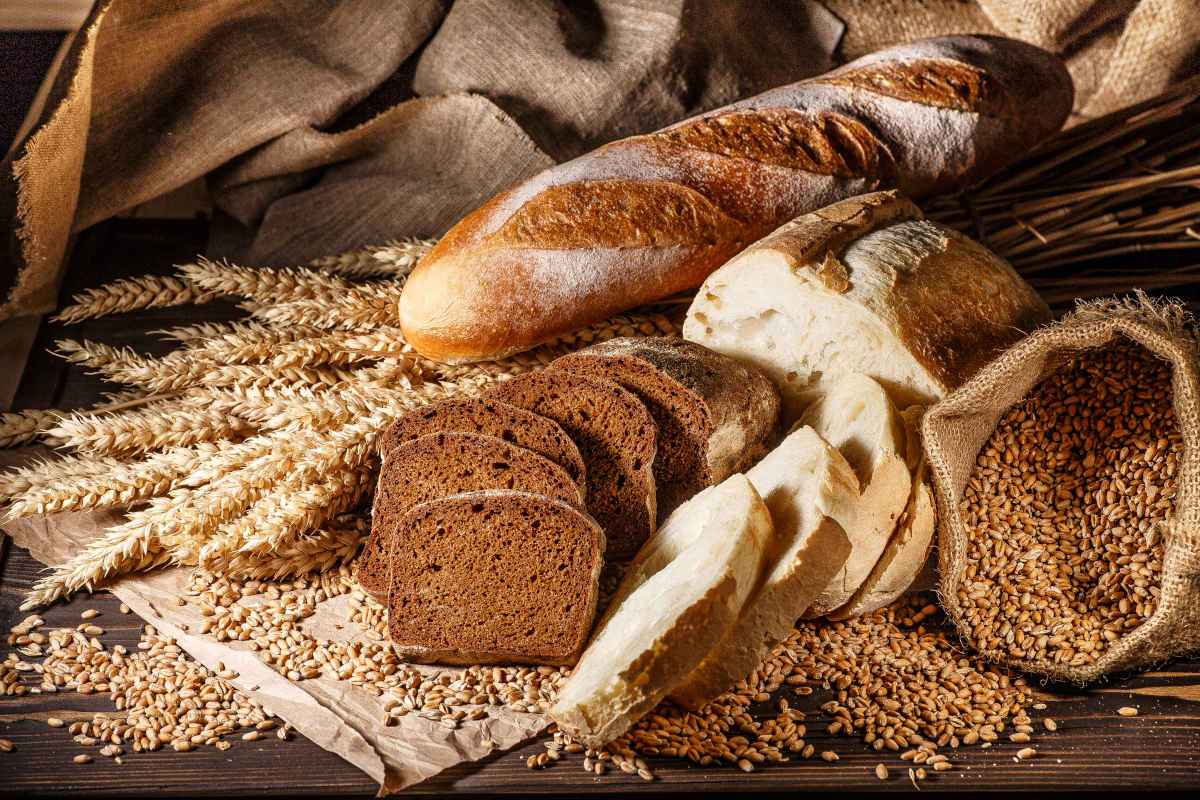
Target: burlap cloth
x,y
325,125
956,429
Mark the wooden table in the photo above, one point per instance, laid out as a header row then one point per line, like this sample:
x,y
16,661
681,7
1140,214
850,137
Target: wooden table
x,y
1094,748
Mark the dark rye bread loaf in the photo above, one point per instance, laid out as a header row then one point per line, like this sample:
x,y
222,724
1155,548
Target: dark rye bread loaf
x,y
492,418
616,436
494,577
715,416
440,464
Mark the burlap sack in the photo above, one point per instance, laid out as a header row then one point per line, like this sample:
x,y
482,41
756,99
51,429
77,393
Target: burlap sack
x,y
956,429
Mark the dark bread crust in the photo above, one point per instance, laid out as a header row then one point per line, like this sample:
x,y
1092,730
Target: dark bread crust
x,y
495,577
644,217
440,464
491,418
715,416
617,437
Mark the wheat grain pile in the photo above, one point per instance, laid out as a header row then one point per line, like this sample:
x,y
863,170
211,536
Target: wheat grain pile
x,y
239,449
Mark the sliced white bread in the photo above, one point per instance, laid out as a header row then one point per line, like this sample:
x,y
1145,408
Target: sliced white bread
x,y
855,415
682,592
809,488
908,550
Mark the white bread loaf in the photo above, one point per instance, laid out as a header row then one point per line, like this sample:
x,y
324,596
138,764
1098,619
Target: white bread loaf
x,y
864,285
644,217
682,592
809,489
855,416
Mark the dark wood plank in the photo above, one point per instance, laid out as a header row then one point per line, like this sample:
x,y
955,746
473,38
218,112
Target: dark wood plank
x,y
1094,749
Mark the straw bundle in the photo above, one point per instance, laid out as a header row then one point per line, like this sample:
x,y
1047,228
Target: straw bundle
x,y
237,449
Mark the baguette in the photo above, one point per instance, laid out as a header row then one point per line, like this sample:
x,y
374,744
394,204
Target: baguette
x,y
645,217
868,286
682,592
810,490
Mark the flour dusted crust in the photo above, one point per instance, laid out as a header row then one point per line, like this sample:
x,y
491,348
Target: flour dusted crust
x,y
715,416
651,215
494,577
865,285
678,598
811,492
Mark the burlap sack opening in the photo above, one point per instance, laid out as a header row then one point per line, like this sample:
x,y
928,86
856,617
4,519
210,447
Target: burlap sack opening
x,y
956,429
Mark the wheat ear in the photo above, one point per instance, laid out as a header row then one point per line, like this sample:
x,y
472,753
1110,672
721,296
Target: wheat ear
x,y
166,423
101,482
364,307
267,285
22,427
318,552
131,294
395,259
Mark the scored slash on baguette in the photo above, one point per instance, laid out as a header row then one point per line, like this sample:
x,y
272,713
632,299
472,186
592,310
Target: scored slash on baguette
x,y
809,489
681,594
855,416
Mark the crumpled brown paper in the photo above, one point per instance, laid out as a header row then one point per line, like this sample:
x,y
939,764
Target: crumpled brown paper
x,y
338,716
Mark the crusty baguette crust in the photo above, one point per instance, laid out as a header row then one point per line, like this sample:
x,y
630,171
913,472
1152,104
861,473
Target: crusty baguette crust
x,y
644,217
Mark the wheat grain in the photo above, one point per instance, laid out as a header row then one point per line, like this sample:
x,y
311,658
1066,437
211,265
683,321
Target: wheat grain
x,y
94,354
131,294
165,423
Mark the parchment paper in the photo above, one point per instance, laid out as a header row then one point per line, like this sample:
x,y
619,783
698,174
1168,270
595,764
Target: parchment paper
x,y
340,717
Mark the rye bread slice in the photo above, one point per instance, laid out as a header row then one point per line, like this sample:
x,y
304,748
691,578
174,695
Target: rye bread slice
x,y
715,416
616,435
492,418
440,464
495,577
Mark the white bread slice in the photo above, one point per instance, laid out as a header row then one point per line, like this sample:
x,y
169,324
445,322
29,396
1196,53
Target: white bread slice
x,y
864,285
808,487
855,415
908,550
682,592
